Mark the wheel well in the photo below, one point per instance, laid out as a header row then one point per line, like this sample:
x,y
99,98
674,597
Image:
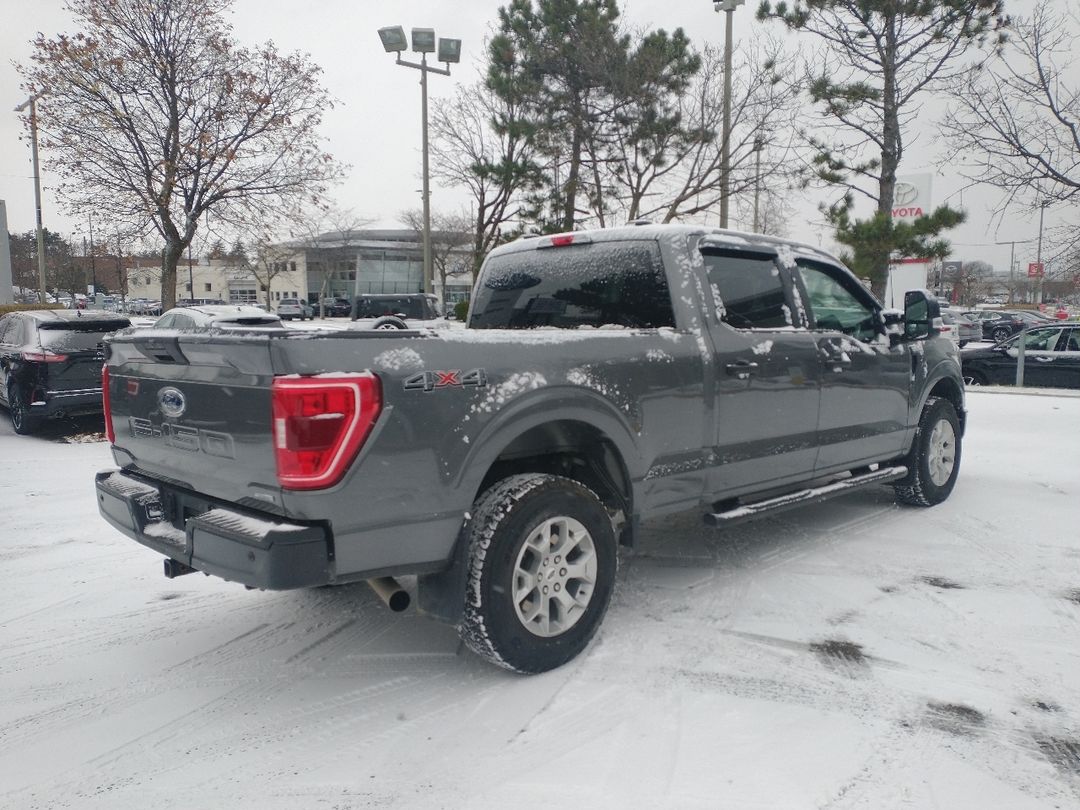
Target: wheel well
x,y
949,389
574,450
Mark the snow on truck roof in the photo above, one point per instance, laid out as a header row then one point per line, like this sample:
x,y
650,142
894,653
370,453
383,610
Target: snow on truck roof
x,y
714,237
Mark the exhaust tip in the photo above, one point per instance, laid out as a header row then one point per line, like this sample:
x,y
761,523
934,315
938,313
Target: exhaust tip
x,y
390,591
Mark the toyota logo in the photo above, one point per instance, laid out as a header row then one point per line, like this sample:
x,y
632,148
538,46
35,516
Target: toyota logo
x,y
904,192
172,402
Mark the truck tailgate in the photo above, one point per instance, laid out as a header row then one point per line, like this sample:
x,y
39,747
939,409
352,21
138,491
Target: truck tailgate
x,y
196,408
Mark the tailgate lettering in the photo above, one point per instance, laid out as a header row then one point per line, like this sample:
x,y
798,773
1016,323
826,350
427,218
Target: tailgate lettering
x,y
183,437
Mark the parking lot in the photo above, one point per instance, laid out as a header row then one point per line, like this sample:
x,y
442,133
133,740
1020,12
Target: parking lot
x,y
852,654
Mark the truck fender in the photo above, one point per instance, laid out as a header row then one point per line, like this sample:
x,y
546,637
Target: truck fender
x,y
442,594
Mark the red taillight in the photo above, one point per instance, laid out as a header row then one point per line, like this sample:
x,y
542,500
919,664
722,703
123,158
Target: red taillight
x,y
110,434
562,241
320,424
44,357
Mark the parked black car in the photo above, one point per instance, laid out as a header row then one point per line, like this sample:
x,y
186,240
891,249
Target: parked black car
x,y
50,363
997,325
1051,359
337,307
410,306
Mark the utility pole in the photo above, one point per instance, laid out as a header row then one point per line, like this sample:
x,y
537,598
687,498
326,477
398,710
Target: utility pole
x,y
93,262
1038,254
728,7
32,104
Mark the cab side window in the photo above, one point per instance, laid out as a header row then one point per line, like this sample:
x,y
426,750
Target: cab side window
x,y
749,287
833,305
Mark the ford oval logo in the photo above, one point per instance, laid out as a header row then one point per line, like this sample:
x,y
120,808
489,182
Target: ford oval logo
x,y
172,402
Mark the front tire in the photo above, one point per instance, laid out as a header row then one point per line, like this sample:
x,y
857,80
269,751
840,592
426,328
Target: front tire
x,y
934,461
1000,334
542,561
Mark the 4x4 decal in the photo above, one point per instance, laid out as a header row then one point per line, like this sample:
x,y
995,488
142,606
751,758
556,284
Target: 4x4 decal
x,y
430,380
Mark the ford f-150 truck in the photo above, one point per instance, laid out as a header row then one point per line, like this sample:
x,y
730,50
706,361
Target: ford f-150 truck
x,y
603,377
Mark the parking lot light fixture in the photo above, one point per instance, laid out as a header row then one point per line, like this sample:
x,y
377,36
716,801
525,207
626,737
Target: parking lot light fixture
x,y
393,39
449,50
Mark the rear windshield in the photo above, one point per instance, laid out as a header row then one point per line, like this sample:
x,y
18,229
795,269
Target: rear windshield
x,y
416,308
77,336
608,283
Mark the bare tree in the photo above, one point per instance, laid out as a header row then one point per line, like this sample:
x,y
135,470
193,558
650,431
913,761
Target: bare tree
x,y
330,235
970,281
676,172
452,244
156,115
1015,120
269,259
478,142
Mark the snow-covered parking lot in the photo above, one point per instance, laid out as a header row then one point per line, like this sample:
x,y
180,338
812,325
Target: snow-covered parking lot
x,y
852,654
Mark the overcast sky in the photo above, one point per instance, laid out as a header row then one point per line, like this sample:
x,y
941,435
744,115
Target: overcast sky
x,y
376,125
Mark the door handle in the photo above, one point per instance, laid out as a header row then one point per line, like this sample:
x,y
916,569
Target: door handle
x,y
741,369
835,358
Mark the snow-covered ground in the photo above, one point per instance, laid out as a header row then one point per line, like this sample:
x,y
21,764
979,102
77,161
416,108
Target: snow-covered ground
x,y
852,654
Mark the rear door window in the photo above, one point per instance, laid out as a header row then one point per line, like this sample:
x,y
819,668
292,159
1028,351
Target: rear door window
x,y
750,289
593,285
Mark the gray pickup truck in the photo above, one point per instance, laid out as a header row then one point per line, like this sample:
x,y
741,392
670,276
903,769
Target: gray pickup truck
x,y
603,378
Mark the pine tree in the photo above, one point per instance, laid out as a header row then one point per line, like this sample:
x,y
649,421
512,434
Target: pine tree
x,y
877,58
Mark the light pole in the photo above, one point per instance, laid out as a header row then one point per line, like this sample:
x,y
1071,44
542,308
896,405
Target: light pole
x,y
1038,254
423,43
728,7
1012,263
32,104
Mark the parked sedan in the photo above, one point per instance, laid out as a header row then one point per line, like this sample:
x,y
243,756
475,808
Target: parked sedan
x,y
961,329
996,324
50,363
205,317
1051,359
289,308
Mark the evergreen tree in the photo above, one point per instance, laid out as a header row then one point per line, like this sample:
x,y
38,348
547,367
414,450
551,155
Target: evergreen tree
x,y
877,58
576,78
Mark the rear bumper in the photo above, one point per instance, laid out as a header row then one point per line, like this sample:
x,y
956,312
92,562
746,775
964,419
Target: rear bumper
x,y
257,550
73,402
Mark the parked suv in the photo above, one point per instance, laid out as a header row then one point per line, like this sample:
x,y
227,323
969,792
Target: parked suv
x,y
50,363
289,308
408,307
337,307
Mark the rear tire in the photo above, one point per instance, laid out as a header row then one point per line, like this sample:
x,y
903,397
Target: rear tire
x,y
934,460
22,421
974,378
542,561
389,322
1000,333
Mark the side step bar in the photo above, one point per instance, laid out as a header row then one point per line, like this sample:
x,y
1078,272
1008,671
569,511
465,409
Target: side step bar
x,y
738,514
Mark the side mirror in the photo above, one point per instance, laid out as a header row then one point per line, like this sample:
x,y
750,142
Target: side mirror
x,y
922,315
